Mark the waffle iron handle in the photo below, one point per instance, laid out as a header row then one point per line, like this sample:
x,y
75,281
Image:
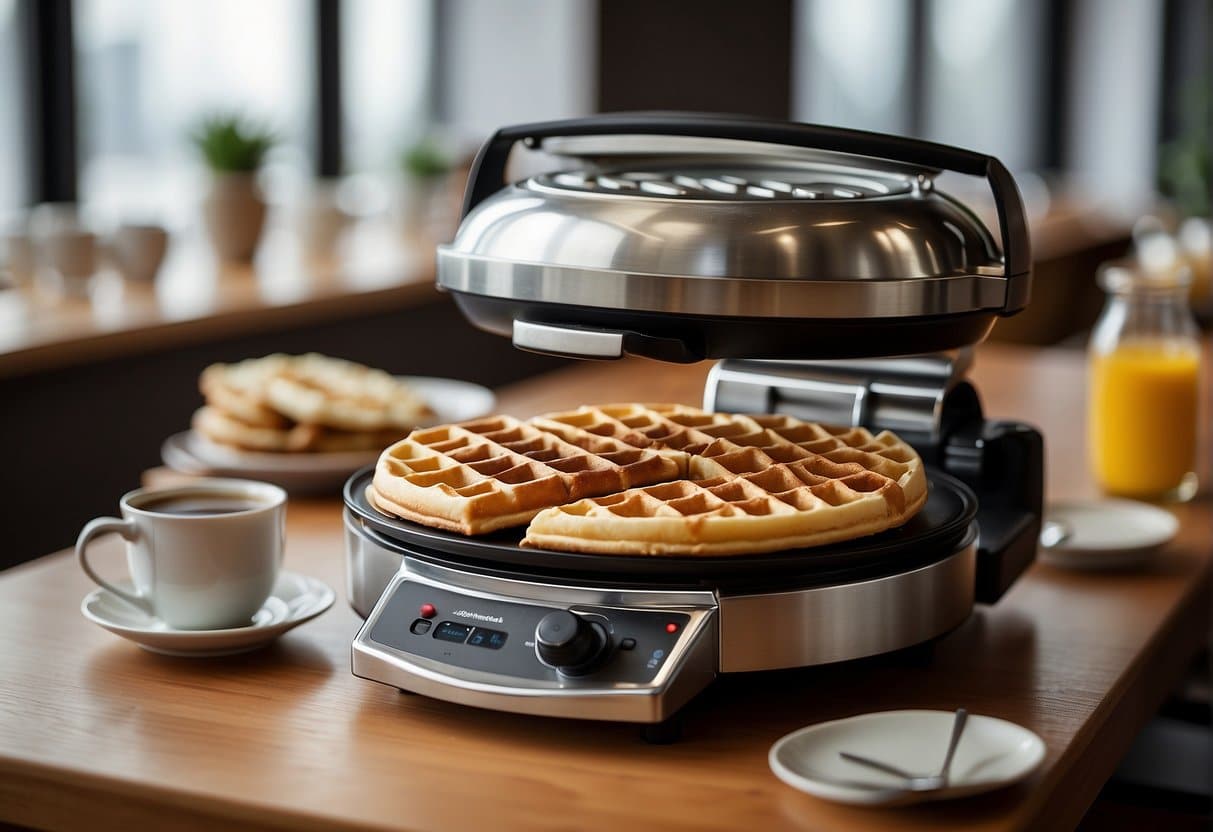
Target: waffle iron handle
x,y
487,174
1003,462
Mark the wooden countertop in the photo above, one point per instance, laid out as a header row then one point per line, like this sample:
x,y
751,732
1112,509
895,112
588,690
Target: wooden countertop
x,y
374,267
93,729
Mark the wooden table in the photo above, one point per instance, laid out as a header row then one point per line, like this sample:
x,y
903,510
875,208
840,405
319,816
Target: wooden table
x,y
94,730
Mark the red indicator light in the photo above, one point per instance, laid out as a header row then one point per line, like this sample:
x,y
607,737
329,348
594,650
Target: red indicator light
x,y
428,611
671,627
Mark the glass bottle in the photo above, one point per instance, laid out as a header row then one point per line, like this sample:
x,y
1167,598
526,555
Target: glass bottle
x,y
1144,385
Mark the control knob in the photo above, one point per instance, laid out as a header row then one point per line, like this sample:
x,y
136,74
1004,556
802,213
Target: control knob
x,y
569,643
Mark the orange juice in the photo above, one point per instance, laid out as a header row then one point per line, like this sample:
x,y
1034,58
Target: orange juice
x,y
1142,416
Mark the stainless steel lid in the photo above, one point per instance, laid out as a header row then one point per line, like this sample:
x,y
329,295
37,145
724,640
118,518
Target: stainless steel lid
x,y
674,244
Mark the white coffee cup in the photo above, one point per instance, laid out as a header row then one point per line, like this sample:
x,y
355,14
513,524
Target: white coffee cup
x,y
201,556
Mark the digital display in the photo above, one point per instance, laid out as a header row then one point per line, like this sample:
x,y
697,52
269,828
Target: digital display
x,y
450,631
492,639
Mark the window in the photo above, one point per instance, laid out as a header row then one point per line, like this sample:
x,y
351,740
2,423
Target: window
x,y
515,62
385,78
965,72
851,64
984,78
147,71
12,122
1114,101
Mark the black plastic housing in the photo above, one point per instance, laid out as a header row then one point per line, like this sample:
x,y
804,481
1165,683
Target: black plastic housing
x,y
685,339
1004,464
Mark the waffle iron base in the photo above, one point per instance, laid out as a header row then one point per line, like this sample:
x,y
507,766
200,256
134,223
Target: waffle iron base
x,y
792,609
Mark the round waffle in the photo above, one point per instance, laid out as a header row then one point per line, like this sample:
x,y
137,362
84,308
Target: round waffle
x,y
239,390
222,427
497,472
714,483
316,389
758,483
305,404
225,429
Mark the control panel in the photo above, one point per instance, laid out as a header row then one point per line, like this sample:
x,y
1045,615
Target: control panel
x,y
528,641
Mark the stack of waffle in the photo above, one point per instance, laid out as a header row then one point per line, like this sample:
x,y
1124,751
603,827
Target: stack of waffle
x,y
653,480
305,403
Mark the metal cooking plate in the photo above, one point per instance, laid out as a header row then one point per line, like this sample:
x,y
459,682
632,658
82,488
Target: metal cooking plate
x,y
939,528
707,184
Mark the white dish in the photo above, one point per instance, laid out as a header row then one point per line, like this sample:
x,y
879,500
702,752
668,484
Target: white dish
x,y
992,754
1107,533
450,399
296,599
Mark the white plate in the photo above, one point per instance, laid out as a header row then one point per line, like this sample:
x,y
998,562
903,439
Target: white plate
x,y
450,399
1107,534
296,599
992,754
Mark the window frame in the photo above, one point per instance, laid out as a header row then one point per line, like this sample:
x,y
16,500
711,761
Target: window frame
x,y
49,90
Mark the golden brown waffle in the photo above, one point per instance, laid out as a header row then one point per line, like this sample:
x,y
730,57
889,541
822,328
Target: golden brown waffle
x,y
497,472
764,483
335,393
238,390
671,426
705,436
305,404
223,428
756,483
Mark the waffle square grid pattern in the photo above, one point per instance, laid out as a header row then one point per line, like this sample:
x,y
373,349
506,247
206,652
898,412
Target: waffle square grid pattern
x,y
498,472
636,479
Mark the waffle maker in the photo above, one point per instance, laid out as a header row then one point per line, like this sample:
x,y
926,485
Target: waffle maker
x,y
838,284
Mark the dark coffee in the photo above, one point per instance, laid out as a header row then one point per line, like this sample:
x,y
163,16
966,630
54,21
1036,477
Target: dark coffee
x,y
201,505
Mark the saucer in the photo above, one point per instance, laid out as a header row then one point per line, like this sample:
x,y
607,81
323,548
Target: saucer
x,y
1107,533
296,599
992,754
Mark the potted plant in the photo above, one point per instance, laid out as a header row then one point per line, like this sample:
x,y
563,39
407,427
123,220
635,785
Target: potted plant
x,y
234,208
426,166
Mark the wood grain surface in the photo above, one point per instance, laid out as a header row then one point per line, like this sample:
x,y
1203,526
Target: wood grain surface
x,y
96,732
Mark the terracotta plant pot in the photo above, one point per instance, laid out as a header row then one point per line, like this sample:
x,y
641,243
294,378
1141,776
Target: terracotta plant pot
x,y
234,210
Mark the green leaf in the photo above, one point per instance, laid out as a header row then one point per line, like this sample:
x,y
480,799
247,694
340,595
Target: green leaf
x,y
426,160
1183,164
230,143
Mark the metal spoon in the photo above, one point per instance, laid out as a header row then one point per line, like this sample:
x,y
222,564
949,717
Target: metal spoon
x,y
918,782
958,727
1054,533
